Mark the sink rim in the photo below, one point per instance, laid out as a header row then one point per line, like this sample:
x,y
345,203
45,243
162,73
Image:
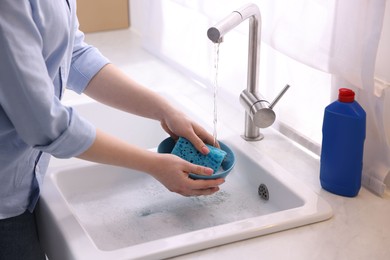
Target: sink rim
x,y
314,209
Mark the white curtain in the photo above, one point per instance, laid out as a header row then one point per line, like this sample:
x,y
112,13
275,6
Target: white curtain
x,y
337,36
340,37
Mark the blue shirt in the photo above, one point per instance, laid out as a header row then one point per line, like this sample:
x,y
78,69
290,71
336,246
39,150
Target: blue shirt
x,y
41,52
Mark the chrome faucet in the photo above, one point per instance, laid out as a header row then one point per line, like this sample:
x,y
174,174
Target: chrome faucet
x,y
258,111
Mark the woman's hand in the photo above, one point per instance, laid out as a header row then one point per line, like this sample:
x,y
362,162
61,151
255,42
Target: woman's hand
x,y
172,172
177,124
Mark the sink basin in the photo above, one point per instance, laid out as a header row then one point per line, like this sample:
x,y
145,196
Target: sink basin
x,y
94,211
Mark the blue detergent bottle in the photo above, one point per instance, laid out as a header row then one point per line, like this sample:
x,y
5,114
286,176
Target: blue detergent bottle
x,y
343,135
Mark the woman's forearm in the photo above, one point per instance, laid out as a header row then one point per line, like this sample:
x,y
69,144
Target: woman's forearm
x,y
114,88
110,150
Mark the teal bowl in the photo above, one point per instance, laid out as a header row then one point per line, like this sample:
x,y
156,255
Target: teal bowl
x,y
166,146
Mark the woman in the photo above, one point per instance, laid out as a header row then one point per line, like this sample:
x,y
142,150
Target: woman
x,y
41,52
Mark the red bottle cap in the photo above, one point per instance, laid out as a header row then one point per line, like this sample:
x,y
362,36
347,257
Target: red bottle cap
x,y
346,95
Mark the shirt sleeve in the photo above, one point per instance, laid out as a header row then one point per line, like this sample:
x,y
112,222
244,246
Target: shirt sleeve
x,y
27,98
86,62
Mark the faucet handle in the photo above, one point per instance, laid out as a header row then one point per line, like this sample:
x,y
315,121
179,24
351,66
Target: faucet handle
x,y
258,109
278,97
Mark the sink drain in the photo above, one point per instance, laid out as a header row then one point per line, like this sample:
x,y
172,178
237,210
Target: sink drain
x,y
263,192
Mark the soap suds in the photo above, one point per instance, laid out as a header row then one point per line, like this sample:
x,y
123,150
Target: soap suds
x,y
141,209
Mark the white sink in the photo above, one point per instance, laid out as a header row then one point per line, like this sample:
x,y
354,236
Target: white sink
x,y
93,211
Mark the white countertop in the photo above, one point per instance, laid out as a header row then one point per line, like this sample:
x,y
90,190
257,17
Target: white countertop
x,y
360,227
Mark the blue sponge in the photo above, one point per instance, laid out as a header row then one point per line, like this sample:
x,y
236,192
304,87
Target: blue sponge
x,y
188,152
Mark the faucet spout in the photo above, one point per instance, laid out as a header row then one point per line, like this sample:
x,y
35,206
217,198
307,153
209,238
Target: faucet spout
x,y
251,12
258,111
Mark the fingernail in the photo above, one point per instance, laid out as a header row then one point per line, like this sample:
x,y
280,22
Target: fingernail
x,y
209,171
205,149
